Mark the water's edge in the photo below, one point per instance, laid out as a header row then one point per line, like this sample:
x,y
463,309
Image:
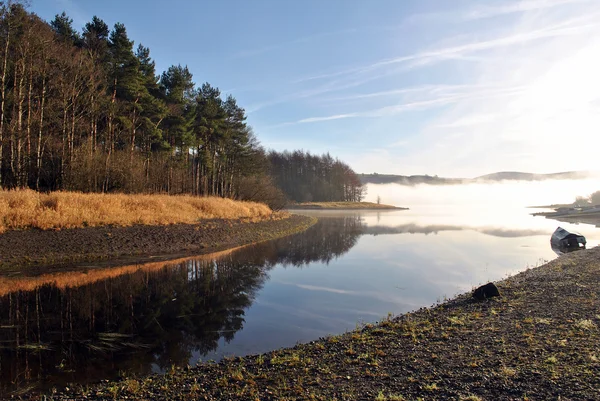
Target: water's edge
x,y
460,349
37,250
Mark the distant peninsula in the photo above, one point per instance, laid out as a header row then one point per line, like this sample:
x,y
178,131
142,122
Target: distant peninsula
x,y
342,206
376,178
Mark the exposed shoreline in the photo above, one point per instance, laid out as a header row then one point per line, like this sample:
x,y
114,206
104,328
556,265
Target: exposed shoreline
x,y
25,250
540,340
342,206
571,215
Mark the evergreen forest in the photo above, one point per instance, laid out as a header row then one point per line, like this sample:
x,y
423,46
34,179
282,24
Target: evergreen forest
x,y
87,111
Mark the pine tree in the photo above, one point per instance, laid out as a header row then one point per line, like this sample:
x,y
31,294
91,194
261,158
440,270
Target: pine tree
x,y
63,27
209,127
179,93
153,109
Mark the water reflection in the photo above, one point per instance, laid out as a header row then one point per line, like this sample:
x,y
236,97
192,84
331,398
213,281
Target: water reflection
x,y
412,228
84,326
126,323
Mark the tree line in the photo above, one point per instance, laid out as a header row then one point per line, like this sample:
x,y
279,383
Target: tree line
x,y
305,177
88,111
590,200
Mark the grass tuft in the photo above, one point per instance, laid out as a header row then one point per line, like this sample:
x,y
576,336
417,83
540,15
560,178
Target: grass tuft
x,y
586,324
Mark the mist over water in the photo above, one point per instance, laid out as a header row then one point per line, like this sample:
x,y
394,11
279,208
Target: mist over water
x,y
499,204
507,193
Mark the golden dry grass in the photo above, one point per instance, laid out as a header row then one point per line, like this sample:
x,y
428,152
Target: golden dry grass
x,y
72,279
24,209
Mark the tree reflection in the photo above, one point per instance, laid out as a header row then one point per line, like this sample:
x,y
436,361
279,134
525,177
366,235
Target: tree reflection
x,y
149,319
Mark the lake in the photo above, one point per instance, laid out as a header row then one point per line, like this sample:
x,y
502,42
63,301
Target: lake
x,y
348,269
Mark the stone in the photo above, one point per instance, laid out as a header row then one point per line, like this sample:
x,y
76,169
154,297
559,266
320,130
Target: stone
x,y
488,290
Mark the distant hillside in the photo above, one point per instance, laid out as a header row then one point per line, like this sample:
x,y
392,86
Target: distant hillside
x,y
494,177
518,176
407,179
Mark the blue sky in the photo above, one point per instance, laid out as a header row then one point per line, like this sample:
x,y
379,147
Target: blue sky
x,y
453,88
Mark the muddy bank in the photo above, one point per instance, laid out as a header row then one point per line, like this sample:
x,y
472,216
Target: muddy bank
x,y
540,340
29,248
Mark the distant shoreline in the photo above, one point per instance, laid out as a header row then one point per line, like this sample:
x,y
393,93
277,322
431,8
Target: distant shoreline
x,y
342,206
570,214
555,206
494,178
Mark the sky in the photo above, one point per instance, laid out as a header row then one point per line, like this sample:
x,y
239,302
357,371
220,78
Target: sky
x,y
451,88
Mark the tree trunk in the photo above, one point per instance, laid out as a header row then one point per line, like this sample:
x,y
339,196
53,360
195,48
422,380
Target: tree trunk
x,y
28,130
20,124
134,119
72,128
111,134
3,95
38,159
63,143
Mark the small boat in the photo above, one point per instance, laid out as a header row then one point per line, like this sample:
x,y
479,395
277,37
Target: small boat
x,y
563,241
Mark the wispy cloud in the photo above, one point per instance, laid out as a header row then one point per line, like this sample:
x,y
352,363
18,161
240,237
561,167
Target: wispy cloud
x,y
358,76
487,11
331,86
383,111
391,92
527,129
428,90
327,118
568,28
509,96
575,26
437,96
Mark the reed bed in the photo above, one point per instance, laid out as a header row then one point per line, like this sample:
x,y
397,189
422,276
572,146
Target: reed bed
x,y
24,209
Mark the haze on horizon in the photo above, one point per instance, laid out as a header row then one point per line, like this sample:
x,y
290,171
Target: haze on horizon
x,y
458,89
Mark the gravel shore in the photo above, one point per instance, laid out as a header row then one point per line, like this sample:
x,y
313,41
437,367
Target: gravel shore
x,y
539,341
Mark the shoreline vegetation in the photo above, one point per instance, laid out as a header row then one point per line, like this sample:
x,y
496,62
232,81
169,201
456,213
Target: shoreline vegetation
x,y
539,340
342,206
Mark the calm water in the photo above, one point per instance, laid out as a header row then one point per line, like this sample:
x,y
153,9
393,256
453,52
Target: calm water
x,y
347,269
